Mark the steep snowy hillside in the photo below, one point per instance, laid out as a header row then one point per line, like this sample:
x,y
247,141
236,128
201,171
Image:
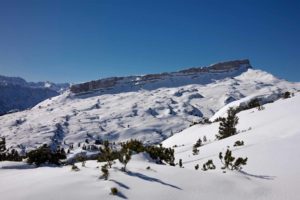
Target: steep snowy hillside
x,y
272,172
17,94
151,113
271,138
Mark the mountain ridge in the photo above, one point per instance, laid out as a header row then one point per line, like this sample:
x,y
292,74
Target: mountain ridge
x,y
148,81
150,113
18,94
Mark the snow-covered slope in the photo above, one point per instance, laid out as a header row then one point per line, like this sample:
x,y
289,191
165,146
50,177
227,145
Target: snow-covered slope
x,y
271,137
151,114
272,172
17,94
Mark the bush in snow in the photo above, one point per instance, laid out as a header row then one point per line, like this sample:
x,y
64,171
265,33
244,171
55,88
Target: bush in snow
x,y
259,108
204,139
75,168
105,172
44,154
114,191
253,104
231,162
13,155
161,154
158,153
180,163
196,167
134,145
5,154
195,150
238,143
209,165
286,95
227,125
80,157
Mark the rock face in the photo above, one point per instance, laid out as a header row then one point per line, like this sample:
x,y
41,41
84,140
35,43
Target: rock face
x,y
154,81
18,94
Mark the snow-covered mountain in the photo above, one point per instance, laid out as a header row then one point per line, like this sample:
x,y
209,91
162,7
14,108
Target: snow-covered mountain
x,y
150,108
18,94
200,75
271,143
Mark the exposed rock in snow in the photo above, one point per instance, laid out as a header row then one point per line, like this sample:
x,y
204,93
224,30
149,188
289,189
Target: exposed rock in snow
x,y
202,75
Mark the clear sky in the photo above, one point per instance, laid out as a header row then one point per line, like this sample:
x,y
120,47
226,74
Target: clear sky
x,y
81,40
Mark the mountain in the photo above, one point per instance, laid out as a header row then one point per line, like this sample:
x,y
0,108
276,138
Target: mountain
x,y
271,144
200,75
18,94
150,108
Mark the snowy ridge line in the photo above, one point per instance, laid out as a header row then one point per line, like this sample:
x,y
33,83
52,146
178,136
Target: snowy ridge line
x,y
200,75
263,99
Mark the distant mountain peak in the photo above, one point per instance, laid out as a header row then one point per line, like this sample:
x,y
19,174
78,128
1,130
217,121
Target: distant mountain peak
x,y
18,94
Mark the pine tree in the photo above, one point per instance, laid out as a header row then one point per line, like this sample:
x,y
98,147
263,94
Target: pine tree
x,y
195,150
253,103
124,157
198,143
105,172
209,165
196,146
2,145
238,143
230,162
44,154
107,153
2,149
227,125
180,163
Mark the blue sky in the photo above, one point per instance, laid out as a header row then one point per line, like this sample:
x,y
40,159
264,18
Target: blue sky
x,y
80,40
